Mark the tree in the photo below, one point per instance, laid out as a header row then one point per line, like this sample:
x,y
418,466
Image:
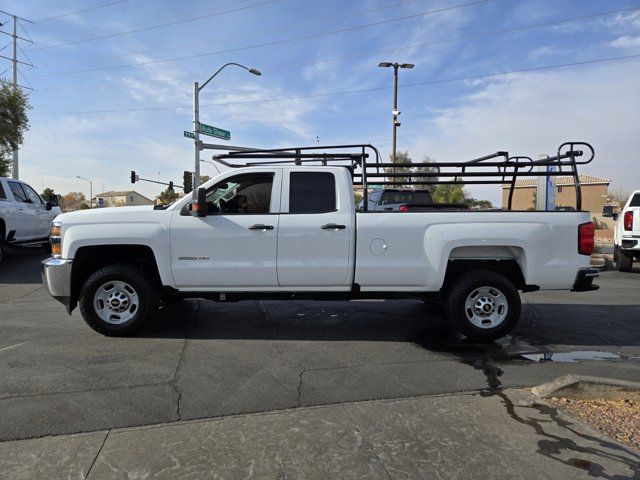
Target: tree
x,y
618,196
48,194
167,196
449,193
72,201
422,169
477,204
401,157
204,178
13,123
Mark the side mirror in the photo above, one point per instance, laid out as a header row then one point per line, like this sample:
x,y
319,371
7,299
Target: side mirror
x,y
607,211
199,209
48,205
55,201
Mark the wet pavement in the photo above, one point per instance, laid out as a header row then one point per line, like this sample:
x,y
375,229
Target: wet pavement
x,y
201,359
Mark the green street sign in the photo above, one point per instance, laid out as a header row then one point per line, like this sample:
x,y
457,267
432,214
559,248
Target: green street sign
x,y
189,134
215,132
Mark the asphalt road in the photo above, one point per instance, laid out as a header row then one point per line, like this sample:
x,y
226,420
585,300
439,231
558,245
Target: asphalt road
x,y
204,359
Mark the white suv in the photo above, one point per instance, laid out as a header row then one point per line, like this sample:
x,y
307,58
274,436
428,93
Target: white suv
x,y
25,218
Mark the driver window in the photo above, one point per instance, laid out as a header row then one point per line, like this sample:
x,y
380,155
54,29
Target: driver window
x,y
31,193
249,193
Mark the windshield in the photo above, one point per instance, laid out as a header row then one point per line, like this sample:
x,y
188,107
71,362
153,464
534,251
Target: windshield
x,y
410,198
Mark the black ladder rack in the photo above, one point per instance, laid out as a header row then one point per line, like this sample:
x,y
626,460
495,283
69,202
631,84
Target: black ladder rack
x,y
366,167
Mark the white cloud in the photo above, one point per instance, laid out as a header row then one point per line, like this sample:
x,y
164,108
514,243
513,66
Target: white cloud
x,y
626,41
532,114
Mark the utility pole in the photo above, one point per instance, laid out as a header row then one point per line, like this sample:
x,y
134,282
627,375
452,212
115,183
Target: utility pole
x,y
396,112
15,173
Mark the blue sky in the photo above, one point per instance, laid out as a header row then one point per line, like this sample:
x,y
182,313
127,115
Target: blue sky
x,y
106,106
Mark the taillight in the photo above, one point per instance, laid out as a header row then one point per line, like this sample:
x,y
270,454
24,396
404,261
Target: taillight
x,y
628,220
586,238
404,208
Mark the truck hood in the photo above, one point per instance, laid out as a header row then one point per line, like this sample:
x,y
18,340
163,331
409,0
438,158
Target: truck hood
x,y
144,213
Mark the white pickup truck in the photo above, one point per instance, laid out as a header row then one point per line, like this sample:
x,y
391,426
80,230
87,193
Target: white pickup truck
x,y
626,242
25,218
281,231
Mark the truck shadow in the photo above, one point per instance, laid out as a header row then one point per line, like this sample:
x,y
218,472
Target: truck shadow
x,y
22,265
392,321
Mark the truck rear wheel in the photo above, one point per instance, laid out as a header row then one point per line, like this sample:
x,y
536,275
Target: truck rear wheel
x,y
484,305
623,262
117,300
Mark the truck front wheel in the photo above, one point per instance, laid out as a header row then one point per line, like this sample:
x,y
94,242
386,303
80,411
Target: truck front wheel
x,y
117,300
484,305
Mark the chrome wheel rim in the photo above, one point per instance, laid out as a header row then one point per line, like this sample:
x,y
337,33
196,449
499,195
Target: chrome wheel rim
x,y
486,307
116,302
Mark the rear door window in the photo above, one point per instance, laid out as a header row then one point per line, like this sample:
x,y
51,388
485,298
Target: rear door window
x,y
3,196
18,192
312,192
635,201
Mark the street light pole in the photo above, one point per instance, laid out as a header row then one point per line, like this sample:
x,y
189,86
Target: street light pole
x,y
90,189
396,123
196,122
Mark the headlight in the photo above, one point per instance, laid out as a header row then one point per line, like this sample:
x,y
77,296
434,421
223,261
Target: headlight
x,y
55,239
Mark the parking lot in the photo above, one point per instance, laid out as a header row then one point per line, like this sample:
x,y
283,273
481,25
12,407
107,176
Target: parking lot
x,y
205,359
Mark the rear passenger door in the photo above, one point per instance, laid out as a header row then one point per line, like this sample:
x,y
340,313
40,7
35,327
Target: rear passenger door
x,y
314,237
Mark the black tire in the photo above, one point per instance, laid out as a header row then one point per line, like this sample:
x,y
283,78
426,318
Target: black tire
x,y
464,286
623,262
1,248
46,247
144,286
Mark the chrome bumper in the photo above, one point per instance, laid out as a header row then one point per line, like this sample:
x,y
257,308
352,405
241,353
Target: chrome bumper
x,y
56,277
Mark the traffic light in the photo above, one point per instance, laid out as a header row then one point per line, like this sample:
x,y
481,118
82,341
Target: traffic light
x,y
187,181
171,186
134,177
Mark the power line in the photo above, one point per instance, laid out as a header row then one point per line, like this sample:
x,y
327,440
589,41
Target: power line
x,y
153,27
428,44
275,42
55,17
363,90
256,34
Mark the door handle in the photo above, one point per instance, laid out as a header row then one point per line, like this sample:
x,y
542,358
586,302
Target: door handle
x,y
333,226
259,226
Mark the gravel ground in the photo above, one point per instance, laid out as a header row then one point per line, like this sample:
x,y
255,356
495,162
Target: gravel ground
x,y
617,418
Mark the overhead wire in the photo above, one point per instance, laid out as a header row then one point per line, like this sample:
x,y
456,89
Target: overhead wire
x,y
363,90
88,9
275,42
154,27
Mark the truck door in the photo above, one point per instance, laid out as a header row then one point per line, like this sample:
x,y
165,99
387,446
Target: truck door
x,y
234,246
24,218
315,234
42,222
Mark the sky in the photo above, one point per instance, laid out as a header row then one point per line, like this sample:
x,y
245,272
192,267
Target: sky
x,y
113,81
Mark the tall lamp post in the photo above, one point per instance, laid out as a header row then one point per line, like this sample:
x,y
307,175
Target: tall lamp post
x,y
396,123
196,120
90,189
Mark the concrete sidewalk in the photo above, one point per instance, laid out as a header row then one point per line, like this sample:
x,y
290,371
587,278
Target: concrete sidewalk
x,y
504,434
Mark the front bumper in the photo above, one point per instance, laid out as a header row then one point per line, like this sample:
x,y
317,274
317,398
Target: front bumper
x,y
584,280
56,277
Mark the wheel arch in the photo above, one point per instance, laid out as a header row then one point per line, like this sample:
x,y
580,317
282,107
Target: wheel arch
x,y
88,259
503,259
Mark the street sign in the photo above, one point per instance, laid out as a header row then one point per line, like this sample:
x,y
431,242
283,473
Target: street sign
x,y
215,132
189,134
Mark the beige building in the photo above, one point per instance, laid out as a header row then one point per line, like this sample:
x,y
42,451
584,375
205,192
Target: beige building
x,y
594,193
122,199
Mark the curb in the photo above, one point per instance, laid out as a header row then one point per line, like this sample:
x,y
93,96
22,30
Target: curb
x,y
581,387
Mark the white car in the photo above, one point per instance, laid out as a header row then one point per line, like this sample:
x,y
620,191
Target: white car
x,y
25,218
293,232
626,241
